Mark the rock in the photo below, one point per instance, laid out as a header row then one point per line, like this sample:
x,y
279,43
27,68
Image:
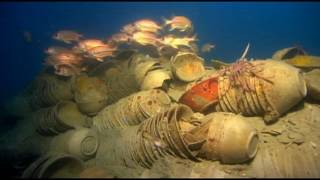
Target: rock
x,y
284,139
313,145
273,131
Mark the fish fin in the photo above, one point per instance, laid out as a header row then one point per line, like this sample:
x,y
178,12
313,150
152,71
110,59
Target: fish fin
x,y
99,59
191,29
175,46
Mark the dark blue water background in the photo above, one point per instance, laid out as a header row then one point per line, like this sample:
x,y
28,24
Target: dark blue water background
x,y
268,26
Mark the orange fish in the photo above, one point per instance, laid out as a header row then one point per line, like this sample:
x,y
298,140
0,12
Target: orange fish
x,y
119,38
146,38
128,29
64,58
147,25
85,45
55,50
101,52
180,23
201,95
67,36
65,63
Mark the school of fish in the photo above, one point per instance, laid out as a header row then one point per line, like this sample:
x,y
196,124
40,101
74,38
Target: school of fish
x,y
175,33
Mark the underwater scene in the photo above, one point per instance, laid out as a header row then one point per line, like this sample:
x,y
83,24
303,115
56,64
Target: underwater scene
x,y
160,89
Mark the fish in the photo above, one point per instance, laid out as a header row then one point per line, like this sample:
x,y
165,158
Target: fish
x,y
64,58
67,36
128,29
87,44
180,23
175,42
55,50
146,38
207,47
147,25
101,52
119,38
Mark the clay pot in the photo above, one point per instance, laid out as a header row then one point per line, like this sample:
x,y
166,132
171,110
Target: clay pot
x,y
312,79
47,90
288,53
229,138
155,79
142,145
278,161
264,87
55,166
132,110
200,96
82,143
95,172
91,94
286,90
141,69
59,118
187,66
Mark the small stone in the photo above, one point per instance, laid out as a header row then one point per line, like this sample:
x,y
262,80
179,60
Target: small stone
x,y
228,171
298,141
297,138
291,121
274,131
283,139
313,145
313,84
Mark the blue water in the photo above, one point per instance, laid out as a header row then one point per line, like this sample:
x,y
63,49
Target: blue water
x,y
268,26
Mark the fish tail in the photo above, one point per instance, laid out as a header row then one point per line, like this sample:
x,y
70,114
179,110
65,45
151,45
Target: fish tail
x,y
99,59
195,37
166,21
171,29
67,42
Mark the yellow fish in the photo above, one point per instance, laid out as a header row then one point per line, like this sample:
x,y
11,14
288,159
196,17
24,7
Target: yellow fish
x,y
305,61
175,42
